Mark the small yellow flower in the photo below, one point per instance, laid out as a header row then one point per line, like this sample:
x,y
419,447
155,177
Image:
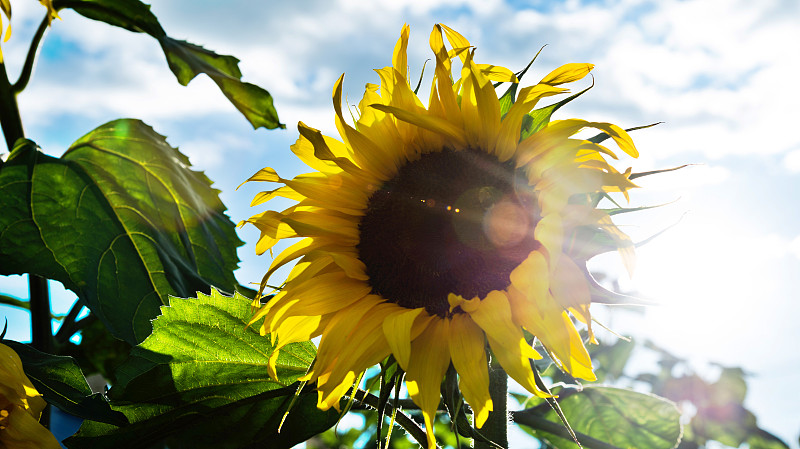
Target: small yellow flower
x,y
20,407
427,233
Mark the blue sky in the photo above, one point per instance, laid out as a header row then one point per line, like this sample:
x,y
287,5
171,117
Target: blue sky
x,y
720,74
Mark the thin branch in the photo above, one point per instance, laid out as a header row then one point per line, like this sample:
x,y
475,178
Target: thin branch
x,y
67,328
401,418
536,421
27,68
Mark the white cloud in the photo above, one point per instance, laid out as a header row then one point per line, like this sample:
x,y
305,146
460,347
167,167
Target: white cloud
x,y
794,246
715,71
792,161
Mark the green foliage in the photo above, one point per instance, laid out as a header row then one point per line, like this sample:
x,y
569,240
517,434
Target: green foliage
x,y
623,418
202,374
719,411
119,219
98,352
61,383
186,60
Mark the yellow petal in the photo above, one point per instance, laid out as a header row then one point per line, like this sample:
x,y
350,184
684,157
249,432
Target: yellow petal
x,y
323,151
291,253
508,136
569,286
550,233
369,155
507,340
330,394
25,432
294,330
431,123
338,332
283,191
480,108
567,73
456,40
399,58
397,330
304,150
468,352
367,344
497,73
545,318
266,174
326,293
442,84
430,357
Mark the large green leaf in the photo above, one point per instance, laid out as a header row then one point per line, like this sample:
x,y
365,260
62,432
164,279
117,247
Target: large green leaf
x,y
200,380
62,384
120,219
622,418
185,60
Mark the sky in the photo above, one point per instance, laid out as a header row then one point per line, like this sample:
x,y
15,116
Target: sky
x,y
720,75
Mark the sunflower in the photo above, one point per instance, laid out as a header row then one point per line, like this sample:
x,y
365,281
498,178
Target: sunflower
x,y
426,233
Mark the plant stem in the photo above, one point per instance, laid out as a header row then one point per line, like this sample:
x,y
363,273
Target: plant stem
x,y
496,426
41,329
9,111
27,68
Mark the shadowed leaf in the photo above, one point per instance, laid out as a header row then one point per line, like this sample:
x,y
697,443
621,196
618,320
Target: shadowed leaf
x,y
62,384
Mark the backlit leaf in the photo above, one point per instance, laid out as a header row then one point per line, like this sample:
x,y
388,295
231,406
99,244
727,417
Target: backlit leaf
x,y
202,374
622,418
186,60
120,220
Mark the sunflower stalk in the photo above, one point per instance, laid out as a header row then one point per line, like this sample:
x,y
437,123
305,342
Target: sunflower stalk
x,y
401,418
41,332
495,429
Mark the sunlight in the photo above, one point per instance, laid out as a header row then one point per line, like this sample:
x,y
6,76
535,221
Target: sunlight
x,y
712,277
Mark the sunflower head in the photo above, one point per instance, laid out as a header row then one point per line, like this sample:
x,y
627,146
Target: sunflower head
x,y
433,232
20,407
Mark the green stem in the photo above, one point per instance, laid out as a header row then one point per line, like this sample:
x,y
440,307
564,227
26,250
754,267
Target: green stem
x,y
27,68
9,111
496,427
41,329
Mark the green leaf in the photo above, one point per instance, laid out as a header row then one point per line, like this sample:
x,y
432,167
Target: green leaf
x,y
762,439
120,220
62,384
132,15
599,138
203,374
610,360
185,60
622,418
98,352
539,118
188,60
